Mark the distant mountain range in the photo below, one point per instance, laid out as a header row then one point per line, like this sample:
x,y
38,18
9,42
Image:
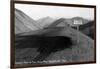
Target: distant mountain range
x,y
24,23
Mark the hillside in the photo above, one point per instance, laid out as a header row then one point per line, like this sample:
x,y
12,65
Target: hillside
x,y
44,22
81,52
87,29
23,23
67,21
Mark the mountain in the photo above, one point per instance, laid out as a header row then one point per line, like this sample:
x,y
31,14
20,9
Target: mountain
x,y
60,22
44,22
71,21
68,21
23,23
88,29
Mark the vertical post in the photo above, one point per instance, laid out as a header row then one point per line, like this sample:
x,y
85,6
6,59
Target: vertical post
x,y
77,34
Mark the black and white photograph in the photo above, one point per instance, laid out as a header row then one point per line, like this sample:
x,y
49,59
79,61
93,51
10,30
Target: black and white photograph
x,y
49,34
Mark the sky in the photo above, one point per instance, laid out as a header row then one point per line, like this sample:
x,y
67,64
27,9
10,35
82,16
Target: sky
x,y
39,11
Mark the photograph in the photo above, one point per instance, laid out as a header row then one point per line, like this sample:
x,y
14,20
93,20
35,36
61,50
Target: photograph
x,y
48,33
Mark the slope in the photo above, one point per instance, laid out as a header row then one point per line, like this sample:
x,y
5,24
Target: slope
x,y
24,23
44,22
